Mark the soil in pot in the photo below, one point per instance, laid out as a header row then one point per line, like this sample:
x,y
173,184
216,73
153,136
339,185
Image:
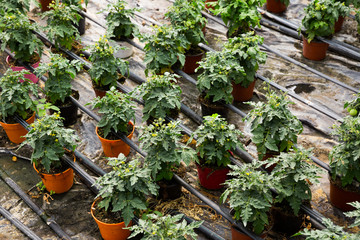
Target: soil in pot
x,y
15,131
110,224
340,196
242,94
208,108
68,110
285,221
339,23
212,177
174,114
15,66
169,189
314,50
112,145
192,57
275,6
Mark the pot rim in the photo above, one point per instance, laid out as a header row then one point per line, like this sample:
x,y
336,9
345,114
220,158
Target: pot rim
x,y
130,122
53,174
109,224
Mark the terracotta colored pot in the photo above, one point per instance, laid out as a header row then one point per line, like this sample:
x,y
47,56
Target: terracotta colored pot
x,y
31,76
112,148
111,231
16,131
191,62
236,234
59,182
267,156
210,178
314,50
207,6
169,190
339,23
45,5
275,6
284,222
340,197
242,94
99,93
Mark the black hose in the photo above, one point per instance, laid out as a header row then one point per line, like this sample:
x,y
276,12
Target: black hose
x,y
23,228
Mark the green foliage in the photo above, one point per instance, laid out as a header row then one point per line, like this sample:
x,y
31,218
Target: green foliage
x,y
48,137
354,104
220,69
118,20
357,17
167,227
61,73
320,17
15,5
286,2
125,188
295,171
239,15
345,157
246,49
355,213
273,126
161,142
164,48
105,65
161,95
14,95
355,3
75,2
16,32
250,195
215,138
117,109
186,16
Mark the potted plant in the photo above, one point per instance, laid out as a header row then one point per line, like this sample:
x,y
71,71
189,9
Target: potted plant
x,y
239,15
104,72
295,173
246,49
17,33
48,137
155,227
249,195
345,164
118,111
163,48
15,100
186,16
214,83
161,97
319,21
164,154
80,25
118,20
15,5
274,128
122,195
277,6
58,85
60,26
214,139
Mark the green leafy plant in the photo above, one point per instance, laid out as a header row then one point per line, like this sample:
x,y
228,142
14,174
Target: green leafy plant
x,y
60,24
125,188
355,213
286,2
161,142
104,70
161,96
48,137
15,5
320,17
239,15
247,51
295,171
167,227
249,195
118,20
16,32
117,109
345,157
357,17
273,126
163,48
355,3
353,107
219,69
75,2
215,138
186,16
14,96
61,73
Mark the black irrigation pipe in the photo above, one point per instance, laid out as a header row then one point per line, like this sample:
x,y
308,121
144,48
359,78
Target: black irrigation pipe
x,y
23,228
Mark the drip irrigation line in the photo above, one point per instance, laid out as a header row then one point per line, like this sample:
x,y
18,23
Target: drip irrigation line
x,y
23,228
39,211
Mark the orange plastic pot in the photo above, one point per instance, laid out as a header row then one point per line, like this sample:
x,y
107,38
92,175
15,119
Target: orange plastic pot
x,y
339,23
111,231
275,6
15,132
112,148
236,234
58,182
340,197
314,50
242,94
